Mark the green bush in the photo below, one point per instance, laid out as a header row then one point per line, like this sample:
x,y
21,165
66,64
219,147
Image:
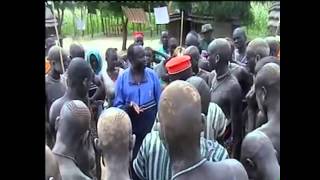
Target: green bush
x,y
258,28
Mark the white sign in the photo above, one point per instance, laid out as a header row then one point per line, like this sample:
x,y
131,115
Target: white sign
x,y
161,15
81,25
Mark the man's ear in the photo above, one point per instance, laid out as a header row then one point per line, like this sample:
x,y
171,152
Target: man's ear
x,y
264,94
217,58
258,57
97,143
250,163
56,124
132,141
84,82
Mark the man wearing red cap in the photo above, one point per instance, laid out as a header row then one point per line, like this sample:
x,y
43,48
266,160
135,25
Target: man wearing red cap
x,y
179,68
138,38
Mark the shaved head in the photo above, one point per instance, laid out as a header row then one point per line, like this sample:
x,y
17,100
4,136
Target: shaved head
x,y
79,71
257,152
267,86
52,167
274,45
192,39
239,37
219,48
203,90
74,121
55,60
264,61
256,49
114,130
180,113
268,76
259,47
253,143
76,50
193,51
54,54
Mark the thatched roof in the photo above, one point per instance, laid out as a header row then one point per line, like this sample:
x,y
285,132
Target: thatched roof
x,y
192,18
135,15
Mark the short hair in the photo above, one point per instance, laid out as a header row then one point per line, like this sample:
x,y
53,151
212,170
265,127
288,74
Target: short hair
x,y
109,51
264,61
76,50
130,52
259,47
78,70
114,128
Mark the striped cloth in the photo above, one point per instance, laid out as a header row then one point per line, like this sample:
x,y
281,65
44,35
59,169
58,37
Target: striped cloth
x,y
216,122
153,163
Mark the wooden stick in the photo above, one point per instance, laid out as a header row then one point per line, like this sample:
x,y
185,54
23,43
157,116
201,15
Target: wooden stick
x,y
57,34
181,28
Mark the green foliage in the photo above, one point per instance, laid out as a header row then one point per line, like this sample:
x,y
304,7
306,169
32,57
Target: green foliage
x,y
220,10
260,18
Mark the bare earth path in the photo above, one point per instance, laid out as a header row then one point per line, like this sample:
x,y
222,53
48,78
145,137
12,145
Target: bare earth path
x,y
103,43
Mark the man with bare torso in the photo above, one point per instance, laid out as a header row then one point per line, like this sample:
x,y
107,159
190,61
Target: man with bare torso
x,y
79,78
259,157
226,90
72,133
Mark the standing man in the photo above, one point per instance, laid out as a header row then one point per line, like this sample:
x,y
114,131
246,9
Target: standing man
x,y
226,90
79,78
240,38
137,92
55,88
72,133
183,143
164,45
116,141
207,36
138,38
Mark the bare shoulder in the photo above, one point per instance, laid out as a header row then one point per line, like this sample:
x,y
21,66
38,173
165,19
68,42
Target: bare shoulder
x,y
216,170
235,169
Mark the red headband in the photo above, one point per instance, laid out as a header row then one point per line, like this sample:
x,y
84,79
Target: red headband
x,y
138,34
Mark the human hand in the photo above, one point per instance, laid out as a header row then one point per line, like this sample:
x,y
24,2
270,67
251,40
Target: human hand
x,y
136,107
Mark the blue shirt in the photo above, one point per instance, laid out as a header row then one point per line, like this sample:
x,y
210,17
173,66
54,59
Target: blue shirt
x,y
145,94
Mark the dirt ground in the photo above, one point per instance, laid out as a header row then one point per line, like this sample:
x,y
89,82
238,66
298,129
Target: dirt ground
x,y
103,43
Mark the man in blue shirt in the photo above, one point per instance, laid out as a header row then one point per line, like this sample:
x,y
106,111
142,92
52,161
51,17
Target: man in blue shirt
x,y
137,92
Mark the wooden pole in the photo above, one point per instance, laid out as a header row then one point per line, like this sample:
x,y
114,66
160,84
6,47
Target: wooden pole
x,y
57,34
181,28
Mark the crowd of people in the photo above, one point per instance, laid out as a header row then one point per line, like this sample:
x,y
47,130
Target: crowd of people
x,y
208,109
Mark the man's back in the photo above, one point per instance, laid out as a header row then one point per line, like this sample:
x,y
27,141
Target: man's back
x,y
153,161
229,169
69,171
54,90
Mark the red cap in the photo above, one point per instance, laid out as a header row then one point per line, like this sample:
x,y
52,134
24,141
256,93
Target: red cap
x,y
138,34
178,64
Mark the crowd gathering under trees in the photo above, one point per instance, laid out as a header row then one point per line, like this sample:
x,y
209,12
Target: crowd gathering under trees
x,y
207,109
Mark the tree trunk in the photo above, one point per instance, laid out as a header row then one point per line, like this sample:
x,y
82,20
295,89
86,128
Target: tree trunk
x,y
157,26
102,23
81,10
74,23
118,31
107,25
90,16
124,32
